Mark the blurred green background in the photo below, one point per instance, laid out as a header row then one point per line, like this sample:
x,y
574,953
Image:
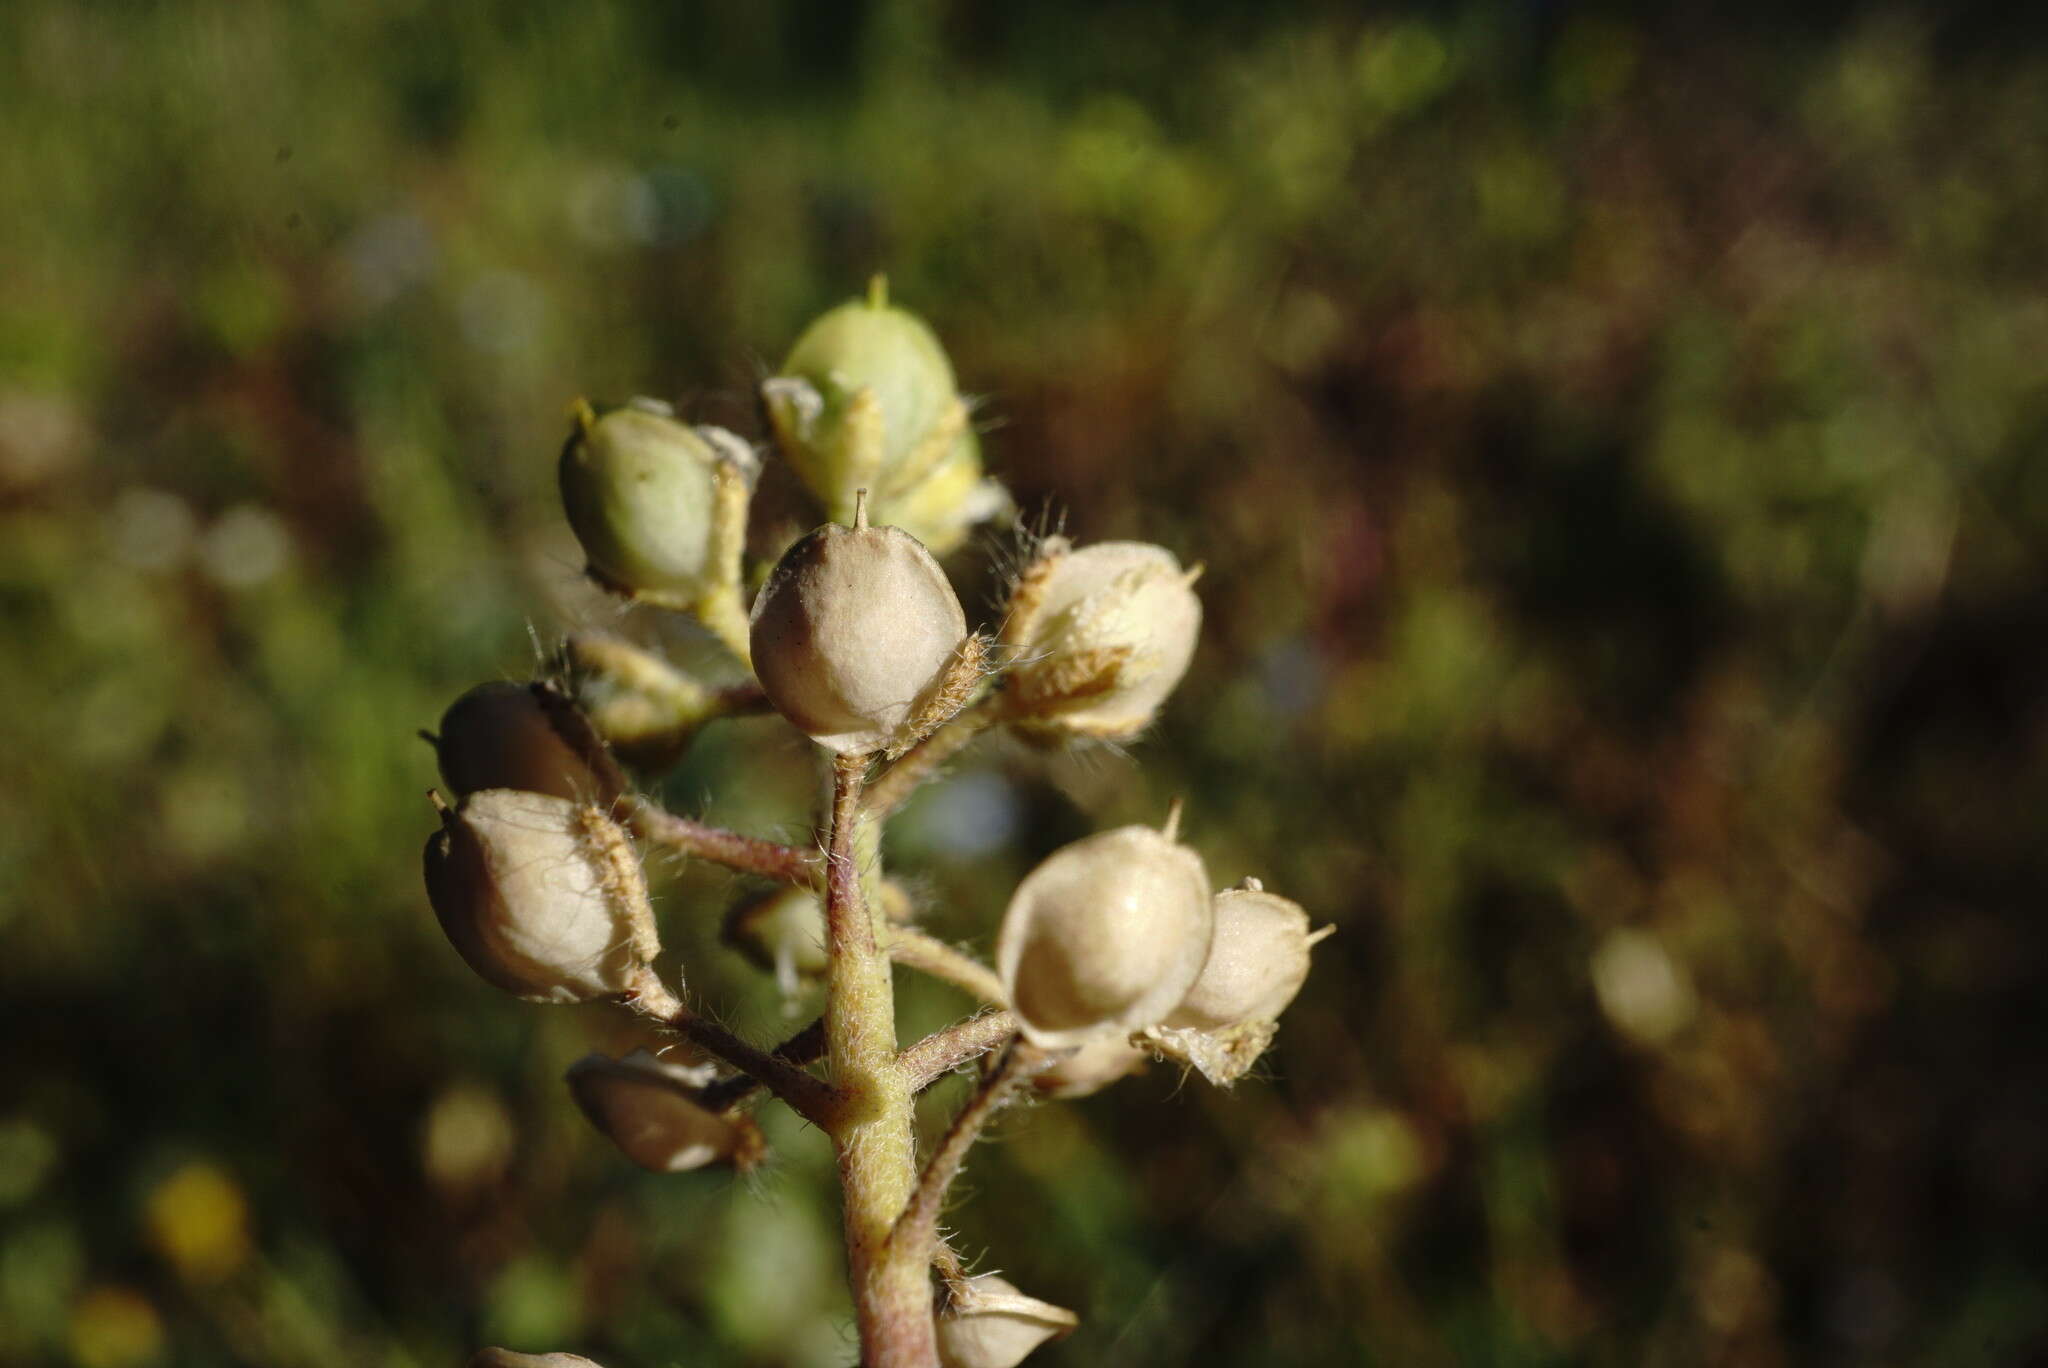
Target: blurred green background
x,y
1617,448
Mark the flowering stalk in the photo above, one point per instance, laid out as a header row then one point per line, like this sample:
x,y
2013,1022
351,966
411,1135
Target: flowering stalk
x,y
1112,950
873,1126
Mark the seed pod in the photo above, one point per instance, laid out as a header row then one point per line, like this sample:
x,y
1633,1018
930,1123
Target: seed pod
x,y
541,896
1104,634
643,494
783,931
647,710
865,400
856,626
523,736
1257,961
506,1358
942,507
990,1324
1104,937
653,1111
1091,1068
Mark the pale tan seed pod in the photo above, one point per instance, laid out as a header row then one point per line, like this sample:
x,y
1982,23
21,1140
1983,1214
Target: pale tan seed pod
x,y
1102,635
1104,937
857,626
1258,961
523,736
506,1358
1091,1068
646,495
653,1110
541,896
988,1323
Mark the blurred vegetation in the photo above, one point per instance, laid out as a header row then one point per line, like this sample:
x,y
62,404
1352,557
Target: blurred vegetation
x,y
1618,453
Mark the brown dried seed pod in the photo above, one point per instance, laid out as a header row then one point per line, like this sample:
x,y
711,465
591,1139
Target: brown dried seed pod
x,y
990,1324
1105,937
513,736
856,626
1257,962
541,896
653,1111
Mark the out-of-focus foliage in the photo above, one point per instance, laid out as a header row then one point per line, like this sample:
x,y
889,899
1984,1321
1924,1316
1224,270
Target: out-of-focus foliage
x,y
1621,458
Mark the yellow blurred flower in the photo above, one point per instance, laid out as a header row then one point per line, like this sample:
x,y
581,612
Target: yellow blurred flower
x,y
199,1221
115,1327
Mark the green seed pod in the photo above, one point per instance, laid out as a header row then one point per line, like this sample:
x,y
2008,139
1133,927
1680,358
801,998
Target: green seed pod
x,y
851,633
865,400
541,896
1105,937
1257,961
653,1111
645,495
1104,634
940,509
523,736
988,1323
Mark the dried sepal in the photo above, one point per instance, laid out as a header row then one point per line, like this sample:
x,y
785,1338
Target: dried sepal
x,y
654,1111
855,632
1101,634
952,691
1257,961
988,1323
523,736
1104,937
1028,589
541,896
1222,1056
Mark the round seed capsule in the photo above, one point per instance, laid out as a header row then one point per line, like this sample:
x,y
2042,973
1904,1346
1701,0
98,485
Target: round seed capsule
x,y
1257,962
854,628
512,736
1108,632
1104,937
1091,1068
641,493
540,896
865,346
653,1111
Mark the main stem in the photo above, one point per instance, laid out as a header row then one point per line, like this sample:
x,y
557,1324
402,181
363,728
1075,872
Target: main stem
x,y
873,1129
